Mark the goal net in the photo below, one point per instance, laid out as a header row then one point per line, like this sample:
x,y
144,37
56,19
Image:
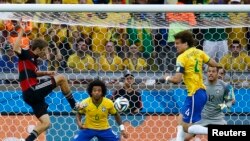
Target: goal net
x,y
141,41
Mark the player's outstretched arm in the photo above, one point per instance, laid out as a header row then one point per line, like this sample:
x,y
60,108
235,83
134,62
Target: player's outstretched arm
x,y
177,78
16,48
121,126
213,63
228,98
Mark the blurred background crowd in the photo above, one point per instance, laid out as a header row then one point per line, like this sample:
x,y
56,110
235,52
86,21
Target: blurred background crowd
x,y
110,49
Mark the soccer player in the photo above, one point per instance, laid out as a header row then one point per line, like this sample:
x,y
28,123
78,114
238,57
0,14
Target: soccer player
x,y
33,92
96,109
220,97
189,67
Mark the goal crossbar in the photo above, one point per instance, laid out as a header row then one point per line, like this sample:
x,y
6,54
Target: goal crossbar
x,y
120,8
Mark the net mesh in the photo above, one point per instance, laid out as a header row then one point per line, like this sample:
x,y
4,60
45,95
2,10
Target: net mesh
x,y
139,20
142,43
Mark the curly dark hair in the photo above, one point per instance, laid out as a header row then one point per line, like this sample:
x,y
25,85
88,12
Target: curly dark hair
x,y
97,82
185,37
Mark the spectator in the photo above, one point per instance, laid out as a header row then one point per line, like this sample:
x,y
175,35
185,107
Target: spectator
x,y
98,36
56,1
118,36
2,37
238,33
134,97
19,1
221,74
177,22
4,1
2,26
81,60
77,1
43,1
215,39
76,34
236,59
142,37
134,61
117,1
54,56
59,35
8,62
71,1
109,61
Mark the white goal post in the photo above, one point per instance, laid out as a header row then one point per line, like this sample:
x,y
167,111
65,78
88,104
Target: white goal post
x,y
120,8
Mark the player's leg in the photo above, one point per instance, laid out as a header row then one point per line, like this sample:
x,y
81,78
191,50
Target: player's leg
x,y
40,110
180,132
45,88
192,112
181,135
40,128
107,135
62,82
84,135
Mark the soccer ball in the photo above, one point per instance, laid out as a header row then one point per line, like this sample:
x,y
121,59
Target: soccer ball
x,y
121,104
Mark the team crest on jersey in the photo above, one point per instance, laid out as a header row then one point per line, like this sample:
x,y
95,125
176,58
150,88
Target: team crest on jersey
x,y
217,91
104,109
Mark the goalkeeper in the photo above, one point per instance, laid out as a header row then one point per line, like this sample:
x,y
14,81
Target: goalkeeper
x,y
220,98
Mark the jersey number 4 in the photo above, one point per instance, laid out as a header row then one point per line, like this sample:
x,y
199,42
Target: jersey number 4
x,y
187,112
196,66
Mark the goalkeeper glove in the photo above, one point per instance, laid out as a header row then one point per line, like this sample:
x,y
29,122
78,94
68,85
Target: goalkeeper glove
x,y
223,106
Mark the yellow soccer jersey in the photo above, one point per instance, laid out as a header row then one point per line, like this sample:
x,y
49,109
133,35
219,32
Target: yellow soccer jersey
x,y
98,36
240,63
78,64
96,117
190,64
115,65
139,66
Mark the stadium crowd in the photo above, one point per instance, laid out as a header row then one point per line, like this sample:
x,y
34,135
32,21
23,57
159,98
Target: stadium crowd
x,y
82,48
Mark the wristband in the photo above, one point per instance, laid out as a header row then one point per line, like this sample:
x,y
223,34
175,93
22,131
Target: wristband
x,y
122,127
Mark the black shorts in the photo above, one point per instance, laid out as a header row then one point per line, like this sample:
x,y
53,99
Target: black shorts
x,y
35,96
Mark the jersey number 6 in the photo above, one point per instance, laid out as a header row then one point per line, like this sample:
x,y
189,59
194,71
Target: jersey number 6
x,y
96,117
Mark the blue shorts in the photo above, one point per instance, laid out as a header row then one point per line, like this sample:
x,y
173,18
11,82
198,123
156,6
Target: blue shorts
x,y
193,105
102,135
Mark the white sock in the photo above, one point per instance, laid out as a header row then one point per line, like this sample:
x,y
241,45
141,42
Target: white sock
x,y
198,129
180,133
